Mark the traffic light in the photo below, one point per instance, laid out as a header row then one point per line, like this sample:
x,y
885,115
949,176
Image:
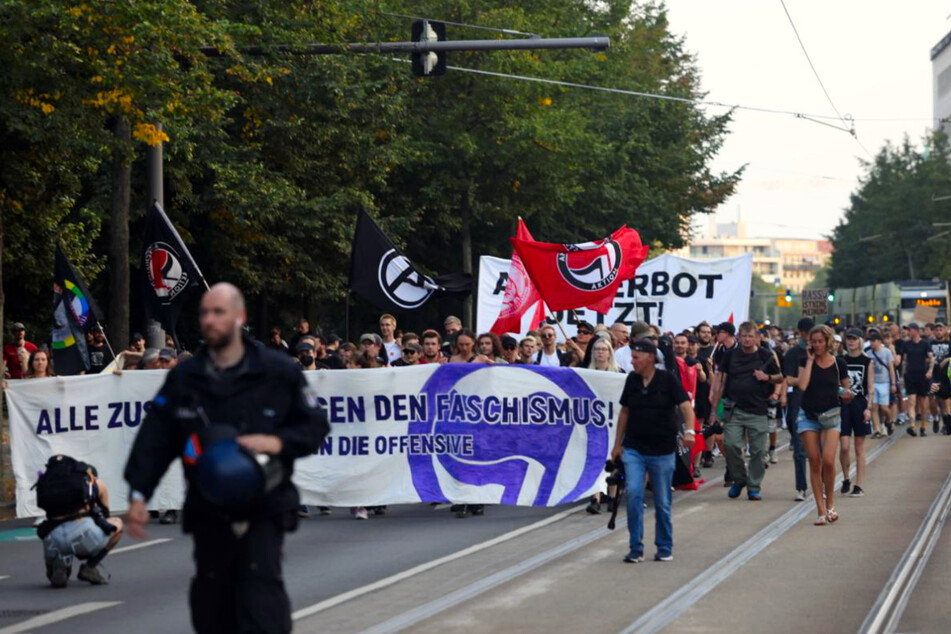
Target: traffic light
x,y
788,296
886,318
871,318
784,300
831,295
428,64
836,321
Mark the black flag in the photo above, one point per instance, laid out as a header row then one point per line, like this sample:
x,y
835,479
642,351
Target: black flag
x,y
168,267
74,314
386,278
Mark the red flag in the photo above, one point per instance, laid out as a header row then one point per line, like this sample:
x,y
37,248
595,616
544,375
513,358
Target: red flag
x,y
570,276
520,294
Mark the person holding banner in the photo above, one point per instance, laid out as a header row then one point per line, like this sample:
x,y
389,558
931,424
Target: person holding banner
x,y
239,415
646,442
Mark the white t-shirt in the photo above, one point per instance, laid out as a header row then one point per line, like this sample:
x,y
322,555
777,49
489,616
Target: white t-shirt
x,y
550,360
393,350
623,357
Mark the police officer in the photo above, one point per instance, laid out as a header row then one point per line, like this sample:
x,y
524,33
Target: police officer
x,y
263,398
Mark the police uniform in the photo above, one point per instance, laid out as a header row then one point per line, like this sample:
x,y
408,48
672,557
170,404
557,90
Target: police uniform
x,y
238,585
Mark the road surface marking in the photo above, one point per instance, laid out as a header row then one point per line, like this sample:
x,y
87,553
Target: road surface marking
x,y
126,549
429,565
58,615
671,608
892,601
2,577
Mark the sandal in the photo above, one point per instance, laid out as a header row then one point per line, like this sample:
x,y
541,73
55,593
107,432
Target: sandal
x,y
832,515
822,520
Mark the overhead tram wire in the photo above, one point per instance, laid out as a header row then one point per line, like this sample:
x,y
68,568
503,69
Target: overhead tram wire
x,y
847,120
463,24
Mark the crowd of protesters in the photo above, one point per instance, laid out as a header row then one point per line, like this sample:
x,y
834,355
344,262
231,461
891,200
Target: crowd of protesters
x,y
826,385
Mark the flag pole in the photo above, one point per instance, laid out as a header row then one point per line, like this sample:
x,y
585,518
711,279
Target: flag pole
x,y
346,309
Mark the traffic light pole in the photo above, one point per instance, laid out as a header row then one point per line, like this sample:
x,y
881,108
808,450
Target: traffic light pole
x,y
595,43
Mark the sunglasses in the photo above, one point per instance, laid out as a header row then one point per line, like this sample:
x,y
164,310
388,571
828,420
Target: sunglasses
x,y
548,335
585,332
408,351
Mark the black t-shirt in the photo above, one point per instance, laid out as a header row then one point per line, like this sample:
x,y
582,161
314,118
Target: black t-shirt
x,y
99,358
940,349
702,400
748,393
331,362
822,393
652,422
858,373
718,356
915,356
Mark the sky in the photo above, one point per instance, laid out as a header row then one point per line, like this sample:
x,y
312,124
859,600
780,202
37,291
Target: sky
x,y
873,58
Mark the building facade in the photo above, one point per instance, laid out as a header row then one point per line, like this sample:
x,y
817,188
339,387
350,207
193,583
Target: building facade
x,y
941,83
784,262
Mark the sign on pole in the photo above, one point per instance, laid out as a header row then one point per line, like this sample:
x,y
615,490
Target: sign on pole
x,y
815,302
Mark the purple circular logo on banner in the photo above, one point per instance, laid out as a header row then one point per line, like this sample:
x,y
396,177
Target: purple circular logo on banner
x,y
505,454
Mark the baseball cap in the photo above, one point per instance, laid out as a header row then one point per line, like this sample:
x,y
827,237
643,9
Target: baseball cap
x,y
305,345
837,338
853,332
509,342
913,326
17,326
371,336
692,339
167,354
726,327
643,345
874,335
136,336
332,339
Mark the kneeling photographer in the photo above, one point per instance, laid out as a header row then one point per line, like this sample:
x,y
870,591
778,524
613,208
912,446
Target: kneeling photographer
x,y
77,521
646,443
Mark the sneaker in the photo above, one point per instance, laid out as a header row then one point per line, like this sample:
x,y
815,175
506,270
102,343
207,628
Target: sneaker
x,y
379,510
890,428
97,575
594,507
911,431
800,496
477,509
735,491
169,517
455,508
696,474
923,432
930,418
633,558
463,512
772,457
754,496
707,460
857,492
946,431
58,571
659,557
846,485
324,510
303,511
360,513
935,425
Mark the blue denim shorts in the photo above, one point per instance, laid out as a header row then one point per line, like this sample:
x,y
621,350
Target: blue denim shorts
x,y
804,423
80,538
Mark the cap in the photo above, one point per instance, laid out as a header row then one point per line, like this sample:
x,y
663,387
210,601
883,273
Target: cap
x,y
837,338
639,329
692,339
584,324
17,326
643,345
167,353
726,327
805,324
874,336
305,345
913,326
509,342
332,339
415,347
136,336
853,332
371,336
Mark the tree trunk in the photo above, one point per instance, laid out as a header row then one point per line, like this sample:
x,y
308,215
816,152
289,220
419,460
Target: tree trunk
x,y
466,215
119,235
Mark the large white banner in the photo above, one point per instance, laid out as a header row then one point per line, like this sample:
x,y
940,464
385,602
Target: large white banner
x,y
464,433
668,291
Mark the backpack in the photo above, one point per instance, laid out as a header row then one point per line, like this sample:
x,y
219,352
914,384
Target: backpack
x,y
63,489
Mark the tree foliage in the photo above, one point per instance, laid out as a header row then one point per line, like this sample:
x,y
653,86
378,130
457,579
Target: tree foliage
x,y
269,156
889,231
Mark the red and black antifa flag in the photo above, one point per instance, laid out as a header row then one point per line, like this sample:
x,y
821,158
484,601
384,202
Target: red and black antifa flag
x,y
383,276
168,269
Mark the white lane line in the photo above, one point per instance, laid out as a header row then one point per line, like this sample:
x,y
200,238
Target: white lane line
x,y
890,605
2,577
429,565
671,608
153,542
58,615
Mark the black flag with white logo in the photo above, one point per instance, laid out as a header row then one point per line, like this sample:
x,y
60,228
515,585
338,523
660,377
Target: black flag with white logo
x,y
386,278
169,271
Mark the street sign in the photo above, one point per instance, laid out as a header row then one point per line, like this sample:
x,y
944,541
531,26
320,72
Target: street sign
x,y
815,301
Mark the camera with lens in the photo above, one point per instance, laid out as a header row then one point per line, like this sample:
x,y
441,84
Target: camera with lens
x,y
616,473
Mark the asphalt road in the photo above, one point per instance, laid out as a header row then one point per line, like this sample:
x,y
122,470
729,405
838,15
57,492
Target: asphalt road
x,y
739,566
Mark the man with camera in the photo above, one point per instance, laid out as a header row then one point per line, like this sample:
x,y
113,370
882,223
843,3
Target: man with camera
x,y
77,521
749,374
238,415
652,405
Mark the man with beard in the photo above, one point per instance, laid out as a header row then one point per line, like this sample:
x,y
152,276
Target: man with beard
x,y
233,393
702,400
